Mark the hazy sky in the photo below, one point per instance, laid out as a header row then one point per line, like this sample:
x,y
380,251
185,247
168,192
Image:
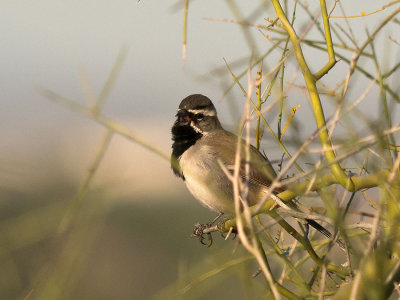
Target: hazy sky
x,y
52,43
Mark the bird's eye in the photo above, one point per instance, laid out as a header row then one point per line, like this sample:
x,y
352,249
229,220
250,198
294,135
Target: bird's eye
x,y
200,116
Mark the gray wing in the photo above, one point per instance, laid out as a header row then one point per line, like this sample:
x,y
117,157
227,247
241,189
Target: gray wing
x,y
261,173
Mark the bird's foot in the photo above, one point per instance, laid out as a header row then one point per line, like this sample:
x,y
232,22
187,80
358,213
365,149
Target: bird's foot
x,y
200,230
206,229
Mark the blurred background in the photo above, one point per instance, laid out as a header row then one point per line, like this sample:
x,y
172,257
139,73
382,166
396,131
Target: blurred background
x,y
130,236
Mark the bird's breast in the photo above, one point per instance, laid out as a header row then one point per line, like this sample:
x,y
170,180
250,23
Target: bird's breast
x,y
205,179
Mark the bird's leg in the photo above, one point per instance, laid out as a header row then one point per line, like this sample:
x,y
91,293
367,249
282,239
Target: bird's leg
x,y
209,224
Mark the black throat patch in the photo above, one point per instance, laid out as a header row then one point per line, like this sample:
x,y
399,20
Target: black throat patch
x,y
183,136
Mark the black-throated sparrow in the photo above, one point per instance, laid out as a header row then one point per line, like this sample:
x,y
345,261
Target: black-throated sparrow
x,y
201,145
199,141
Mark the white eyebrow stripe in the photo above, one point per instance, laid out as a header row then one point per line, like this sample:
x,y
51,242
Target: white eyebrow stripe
x,y
206,112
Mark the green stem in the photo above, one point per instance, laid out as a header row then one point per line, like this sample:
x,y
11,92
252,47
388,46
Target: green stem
x,y
310,81
361,49
329,44
263,119
306,244
358,68
386,113
282,97
284,257
360,183
282,290
259,102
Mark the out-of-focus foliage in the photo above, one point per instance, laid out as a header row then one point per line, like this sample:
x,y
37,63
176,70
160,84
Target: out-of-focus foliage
x,y
73,242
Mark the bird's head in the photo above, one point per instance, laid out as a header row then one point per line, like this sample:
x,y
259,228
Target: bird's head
x,y
197,112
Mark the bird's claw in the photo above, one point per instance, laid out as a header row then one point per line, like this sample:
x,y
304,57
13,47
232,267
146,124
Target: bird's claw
x,y
199,232
205,229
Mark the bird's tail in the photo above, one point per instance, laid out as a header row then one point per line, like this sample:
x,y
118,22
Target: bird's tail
x,y
325,232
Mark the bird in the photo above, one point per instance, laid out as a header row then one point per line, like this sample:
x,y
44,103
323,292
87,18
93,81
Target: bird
x,y
203,151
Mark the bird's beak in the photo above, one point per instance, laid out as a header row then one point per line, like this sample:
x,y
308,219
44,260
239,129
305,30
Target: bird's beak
x,y
183,116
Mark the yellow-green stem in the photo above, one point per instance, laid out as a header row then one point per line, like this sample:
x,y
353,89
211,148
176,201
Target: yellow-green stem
x,y
315,100
329,44
360,182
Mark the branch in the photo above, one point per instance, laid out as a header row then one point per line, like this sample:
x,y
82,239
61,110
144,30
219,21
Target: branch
x,y
316,102
360,183
329,44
